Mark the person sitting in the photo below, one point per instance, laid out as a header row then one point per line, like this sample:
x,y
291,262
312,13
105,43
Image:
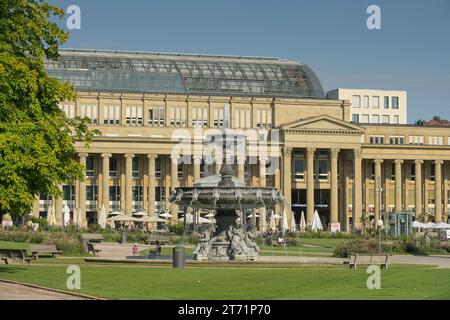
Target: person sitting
x,y
135,249
281,242
157,251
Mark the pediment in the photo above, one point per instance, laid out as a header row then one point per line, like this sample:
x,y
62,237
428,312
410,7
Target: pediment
x,y
323,123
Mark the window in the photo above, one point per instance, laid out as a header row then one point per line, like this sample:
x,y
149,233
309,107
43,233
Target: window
x,y
69,110
372,170
393,170
386,102
415,139
218,118
437,141
135,167
177,117
323,169
134,116
394,102
199,117
375,102
356,101
180,170
89,111
396,139
396,120
158,167
264,119
355,118
385,119
376,139
114,193
137,193
156,117
364,118
375,118
91,193
433,171
242,118
90,166
413,171
366,102
68,193
112,167
111,115
299,169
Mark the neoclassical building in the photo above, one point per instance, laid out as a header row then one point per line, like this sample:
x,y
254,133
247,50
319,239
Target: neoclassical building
x,y
144,103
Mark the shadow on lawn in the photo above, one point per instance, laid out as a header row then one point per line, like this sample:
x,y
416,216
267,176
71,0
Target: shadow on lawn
x,y
10,269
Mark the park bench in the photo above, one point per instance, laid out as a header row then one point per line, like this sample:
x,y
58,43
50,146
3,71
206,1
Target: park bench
x,y
92,249
92,237
14,255
368,259
36,250
162,238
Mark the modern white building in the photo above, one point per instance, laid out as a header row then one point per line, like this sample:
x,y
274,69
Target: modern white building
x,y
374,106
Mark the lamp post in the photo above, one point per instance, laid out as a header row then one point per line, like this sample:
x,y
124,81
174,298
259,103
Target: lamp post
x,y
379,226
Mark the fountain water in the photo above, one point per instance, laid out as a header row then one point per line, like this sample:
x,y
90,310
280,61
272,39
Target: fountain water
x,y
228,197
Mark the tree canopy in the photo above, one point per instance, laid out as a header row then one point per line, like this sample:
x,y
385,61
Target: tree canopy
x,y
37,150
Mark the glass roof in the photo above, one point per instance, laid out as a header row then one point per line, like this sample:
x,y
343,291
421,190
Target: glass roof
x,y
139,72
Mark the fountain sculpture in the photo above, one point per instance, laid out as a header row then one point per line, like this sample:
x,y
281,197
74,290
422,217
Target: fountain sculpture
x,y
229,199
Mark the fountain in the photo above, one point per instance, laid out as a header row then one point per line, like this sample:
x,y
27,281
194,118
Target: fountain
x,y
229,198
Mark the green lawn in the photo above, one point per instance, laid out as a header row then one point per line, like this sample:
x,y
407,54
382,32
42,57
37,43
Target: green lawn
x,y
14,245
305,282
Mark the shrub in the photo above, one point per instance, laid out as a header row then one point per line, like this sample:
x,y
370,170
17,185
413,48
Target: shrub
x,y
177,228
43,224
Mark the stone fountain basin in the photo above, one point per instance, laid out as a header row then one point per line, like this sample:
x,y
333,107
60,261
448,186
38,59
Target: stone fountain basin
x,y
227,199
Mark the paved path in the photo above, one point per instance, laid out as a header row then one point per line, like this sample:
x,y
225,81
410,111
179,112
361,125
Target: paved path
x,y
121,251
12,291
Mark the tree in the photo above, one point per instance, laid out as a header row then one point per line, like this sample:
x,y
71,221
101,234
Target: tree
x,y
36,139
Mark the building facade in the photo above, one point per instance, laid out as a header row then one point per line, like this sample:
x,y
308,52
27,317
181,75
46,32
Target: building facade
x,y
144,103
374,106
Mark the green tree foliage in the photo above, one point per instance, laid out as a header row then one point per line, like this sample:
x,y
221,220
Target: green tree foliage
x,y
36,139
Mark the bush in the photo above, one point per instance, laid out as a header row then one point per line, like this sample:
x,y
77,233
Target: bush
x,y
177,228
43,224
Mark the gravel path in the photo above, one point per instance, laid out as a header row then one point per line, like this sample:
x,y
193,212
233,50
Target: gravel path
x,y
13,291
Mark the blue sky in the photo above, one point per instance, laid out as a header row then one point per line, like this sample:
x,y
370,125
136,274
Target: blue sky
x,y
411,52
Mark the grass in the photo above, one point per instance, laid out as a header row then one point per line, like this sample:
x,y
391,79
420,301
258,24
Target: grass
x,y
14,245
305,282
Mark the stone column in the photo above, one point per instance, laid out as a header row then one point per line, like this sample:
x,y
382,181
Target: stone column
x,y
151,184
58,208
128,183
310,184
241,168
398,185
287,176
357,189
174,183
334,212
82,190
418,180
105,183
438,191
262,171
262,184
378,187
35,208
197,162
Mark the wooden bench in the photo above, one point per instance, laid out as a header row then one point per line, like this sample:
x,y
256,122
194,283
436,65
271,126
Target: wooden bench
x,y
92,249
368,259
162,238
44,249
93,237
14,255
